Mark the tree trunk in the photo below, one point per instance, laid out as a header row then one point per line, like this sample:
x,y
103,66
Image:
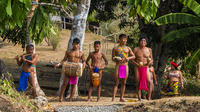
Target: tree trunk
x,y
78,30
39,91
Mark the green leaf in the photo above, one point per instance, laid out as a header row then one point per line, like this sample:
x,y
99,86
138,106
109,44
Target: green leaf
x,y
192,4
53,31
8,8
195,57
181,33
156,2
178,18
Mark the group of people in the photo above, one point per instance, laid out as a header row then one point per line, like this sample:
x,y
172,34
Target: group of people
x,y
140,56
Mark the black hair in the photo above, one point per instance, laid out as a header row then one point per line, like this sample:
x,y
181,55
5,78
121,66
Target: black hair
x,y
122,36
97,42
143,37
76,41
29,45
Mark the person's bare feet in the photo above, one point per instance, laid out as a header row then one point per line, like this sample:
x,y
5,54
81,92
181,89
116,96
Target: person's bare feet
x,y
70,100
122,100
60,99
113,99
98,99
139,99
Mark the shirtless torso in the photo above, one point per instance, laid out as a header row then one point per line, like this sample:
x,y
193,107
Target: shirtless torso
x,y
74,56
96,59
143,56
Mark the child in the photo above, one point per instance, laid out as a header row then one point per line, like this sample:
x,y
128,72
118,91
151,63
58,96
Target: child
x,y
75,56
28,62
96,66
151,84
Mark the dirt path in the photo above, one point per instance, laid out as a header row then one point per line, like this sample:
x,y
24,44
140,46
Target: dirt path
x,y
172,104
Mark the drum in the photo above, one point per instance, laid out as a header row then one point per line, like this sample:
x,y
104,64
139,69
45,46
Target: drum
x,y
95,79
72,69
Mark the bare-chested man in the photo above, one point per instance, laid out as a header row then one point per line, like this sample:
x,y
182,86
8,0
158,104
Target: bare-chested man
x,y
143,58
28,62
76,56
96,66
120,56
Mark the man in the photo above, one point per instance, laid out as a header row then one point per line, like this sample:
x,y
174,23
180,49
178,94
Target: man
x,y
96,66
120,56
28,62
143,59
75,56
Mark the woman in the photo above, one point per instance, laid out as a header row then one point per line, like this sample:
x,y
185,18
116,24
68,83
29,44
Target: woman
x,y
174,76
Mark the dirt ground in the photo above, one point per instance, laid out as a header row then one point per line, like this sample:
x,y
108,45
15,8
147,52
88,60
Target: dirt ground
x,y
174,104
170,104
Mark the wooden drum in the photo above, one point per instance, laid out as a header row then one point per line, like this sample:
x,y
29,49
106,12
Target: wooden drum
x,y
95,79
72,69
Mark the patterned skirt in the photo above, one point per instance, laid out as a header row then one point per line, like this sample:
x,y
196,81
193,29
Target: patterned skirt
x,y
172,88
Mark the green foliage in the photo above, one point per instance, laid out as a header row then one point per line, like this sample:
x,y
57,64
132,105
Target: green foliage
x,y
91,17
192,27
104,9
13,20
6,88
191,87
41,25
13,13
178,18
191,61
55,38
192,4
181,33
146,9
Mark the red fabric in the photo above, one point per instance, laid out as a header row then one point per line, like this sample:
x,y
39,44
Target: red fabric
x,y
174,64
73,80
143,78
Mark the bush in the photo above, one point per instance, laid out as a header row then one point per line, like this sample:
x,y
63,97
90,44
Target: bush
x,y
54,38
7,89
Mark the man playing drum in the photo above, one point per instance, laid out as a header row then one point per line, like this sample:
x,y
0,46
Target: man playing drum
x,y
96,66
74,56
120,56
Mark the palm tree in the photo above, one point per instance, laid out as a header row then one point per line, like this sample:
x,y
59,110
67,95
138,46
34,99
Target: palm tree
x,y
193,26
